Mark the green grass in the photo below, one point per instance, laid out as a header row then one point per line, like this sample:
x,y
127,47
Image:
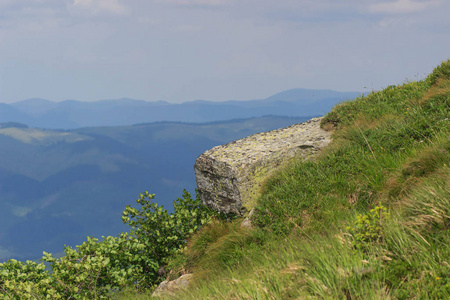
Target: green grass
x,y
390,149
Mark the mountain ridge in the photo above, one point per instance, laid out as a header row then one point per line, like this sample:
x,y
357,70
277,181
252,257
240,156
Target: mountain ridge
x,y
71,114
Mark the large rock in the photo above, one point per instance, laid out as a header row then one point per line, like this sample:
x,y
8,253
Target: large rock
x,y
229,177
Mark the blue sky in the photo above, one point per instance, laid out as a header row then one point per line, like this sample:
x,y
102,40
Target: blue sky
x,y
181,50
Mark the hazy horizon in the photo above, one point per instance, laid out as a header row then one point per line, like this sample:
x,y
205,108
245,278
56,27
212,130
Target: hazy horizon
x,y
173,102
216,50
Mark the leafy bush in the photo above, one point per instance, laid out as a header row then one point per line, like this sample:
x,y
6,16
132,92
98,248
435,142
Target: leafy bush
x,y
97,269
163,233
92,270
368,228
25,280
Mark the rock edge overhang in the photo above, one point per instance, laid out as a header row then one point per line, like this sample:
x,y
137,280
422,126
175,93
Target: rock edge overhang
x,y
229,177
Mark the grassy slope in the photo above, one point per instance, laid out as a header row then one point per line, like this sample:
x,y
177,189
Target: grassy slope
x,y
390,149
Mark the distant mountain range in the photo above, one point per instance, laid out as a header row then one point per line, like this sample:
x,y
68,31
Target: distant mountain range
x,y
59,186
70,114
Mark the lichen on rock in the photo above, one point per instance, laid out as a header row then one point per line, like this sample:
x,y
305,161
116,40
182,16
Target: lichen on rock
x,y
229,177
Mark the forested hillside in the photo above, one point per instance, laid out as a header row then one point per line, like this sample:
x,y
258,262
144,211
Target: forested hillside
x,y
57,187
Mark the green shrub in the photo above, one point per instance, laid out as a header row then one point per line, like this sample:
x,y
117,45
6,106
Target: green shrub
x,y
92,270
98,269
161,232
368,228
25,280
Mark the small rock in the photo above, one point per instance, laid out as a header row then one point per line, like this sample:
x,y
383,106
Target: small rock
x,y
170,287
247,222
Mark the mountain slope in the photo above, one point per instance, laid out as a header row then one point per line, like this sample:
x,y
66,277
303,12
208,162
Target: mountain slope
x,y
368,219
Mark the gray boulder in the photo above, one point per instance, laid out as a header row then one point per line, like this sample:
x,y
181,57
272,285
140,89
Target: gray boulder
x,y
229,177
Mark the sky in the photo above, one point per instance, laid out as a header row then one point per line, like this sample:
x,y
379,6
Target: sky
x,y
183,50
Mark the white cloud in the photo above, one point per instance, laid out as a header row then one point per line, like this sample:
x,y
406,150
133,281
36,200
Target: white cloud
x,y
402,6
112,6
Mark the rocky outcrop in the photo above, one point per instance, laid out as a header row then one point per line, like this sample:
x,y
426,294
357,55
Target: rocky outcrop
x,y
229,177
170,287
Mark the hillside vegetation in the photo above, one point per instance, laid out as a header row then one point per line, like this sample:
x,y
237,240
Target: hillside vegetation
x,y
368,219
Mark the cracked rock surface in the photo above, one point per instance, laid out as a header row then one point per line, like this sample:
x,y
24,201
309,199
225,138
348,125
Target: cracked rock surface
x,y
229,177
